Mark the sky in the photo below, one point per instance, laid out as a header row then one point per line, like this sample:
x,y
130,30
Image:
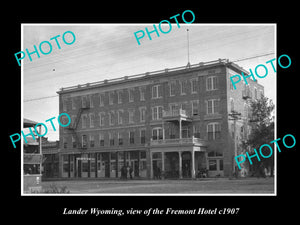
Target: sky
x,y
106,51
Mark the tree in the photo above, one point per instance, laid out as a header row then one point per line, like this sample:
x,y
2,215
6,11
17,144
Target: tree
x,y
262,132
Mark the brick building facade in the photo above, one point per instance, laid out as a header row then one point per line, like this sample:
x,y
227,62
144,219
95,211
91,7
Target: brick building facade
x,y
172,123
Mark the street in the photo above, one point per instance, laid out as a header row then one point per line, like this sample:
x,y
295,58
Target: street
x,y
204,186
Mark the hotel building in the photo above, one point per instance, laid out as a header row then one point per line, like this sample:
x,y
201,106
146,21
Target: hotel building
x,y
177,121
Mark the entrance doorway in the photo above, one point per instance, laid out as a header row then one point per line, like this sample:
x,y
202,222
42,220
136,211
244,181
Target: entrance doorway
x,y
171,165
186,165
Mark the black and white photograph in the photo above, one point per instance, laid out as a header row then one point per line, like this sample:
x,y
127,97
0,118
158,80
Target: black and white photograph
x,y
131,109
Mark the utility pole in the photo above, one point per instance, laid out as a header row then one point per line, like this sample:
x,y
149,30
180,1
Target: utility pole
x,y
234,116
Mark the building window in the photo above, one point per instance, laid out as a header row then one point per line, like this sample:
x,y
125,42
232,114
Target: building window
x,y
111,139
172,132
101,99
157,133
212,106
84,121
119,97
212,163
120,116
84,141
131,137
131,94
172,86
157,112
194,85
91,101
111,118
92,120
142,114
65,143
156,91
101,118
142,93
143,136
120,138
183,87
74,144
110,98
92,141
211,83
195,107
196,130
131,116
83,101
213,131
65,105
101,139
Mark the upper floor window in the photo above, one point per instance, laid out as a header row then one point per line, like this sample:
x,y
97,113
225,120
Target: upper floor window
x,y
120,116
131,94
101,99
111,118
92,120
143,136
195,107
157,112
213,106
211,83
142,114
84,101
64,105
142,93
172,87
101,118
157,91
92,141
119,97
131,137
194,84
157,133
111,98
91,101
84,121
131,116
183,87
213,131
84,141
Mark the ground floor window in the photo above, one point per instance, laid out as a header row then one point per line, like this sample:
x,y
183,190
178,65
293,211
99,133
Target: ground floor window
x,y
215,167
30,169
104,164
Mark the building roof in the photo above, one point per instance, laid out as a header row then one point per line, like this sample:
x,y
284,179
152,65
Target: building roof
x,y
29,123
154,74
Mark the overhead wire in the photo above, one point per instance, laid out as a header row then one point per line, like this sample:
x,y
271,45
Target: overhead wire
x,y
237,60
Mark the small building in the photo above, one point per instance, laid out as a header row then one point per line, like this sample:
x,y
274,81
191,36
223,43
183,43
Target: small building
x,y
50,158
32,159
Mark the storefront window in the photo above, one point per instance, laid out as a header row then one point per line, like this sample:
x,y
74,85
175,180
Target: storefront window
x,y
31,169
212,164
